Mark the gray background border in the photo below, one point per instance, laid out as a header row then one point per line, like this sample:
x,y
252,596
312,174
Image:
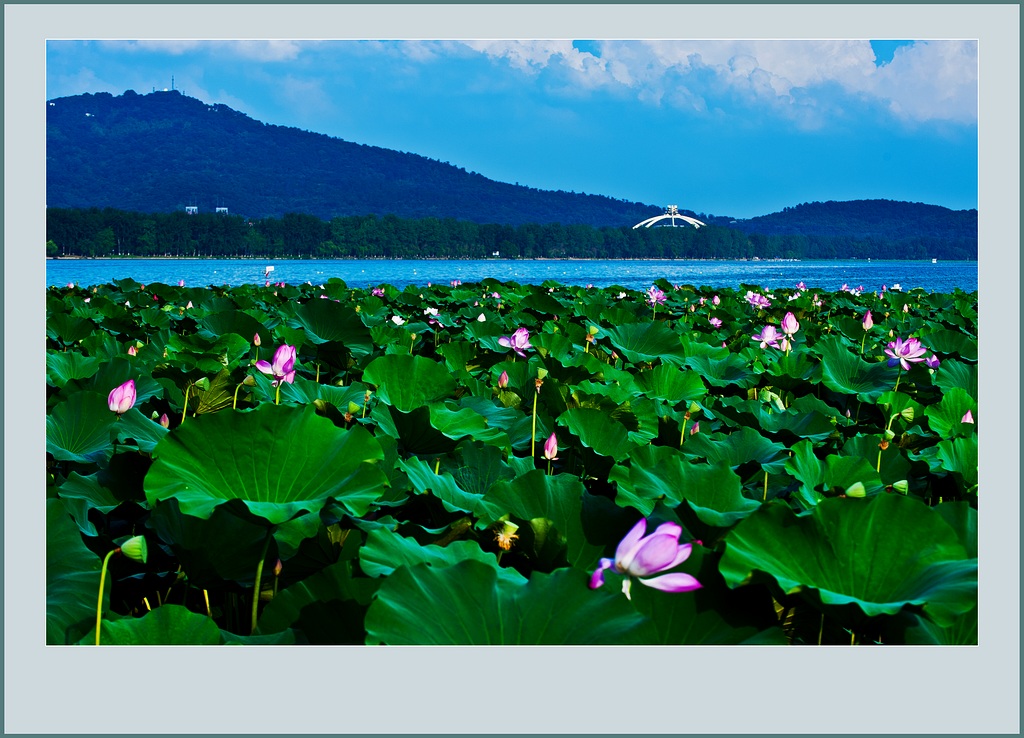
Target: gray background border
x,y
522,690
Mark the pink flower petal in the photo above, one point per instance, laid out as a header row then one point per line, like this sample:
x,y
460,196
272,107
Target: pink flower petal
x,y
677,582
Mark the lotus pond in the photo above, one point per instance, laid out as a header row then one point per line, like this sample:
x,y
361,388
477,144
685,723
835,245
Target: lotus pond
x,y
496,463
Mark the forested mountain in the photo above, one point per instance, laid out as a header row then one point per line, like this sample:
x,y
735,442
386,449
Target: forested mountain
x,y
163,151
122,169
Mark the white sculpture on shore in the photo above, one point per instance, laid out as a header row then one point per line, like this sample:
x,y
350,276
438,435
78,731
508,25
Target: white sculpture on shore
x,y
671,213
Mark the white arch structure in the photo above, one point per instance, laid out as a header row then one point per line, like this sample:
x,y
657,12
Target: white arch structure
x,y
671,212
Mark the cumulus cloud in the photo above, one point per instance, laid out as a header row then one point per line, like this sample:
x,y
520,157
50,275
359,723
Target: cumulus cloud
x,y
802,80
250,50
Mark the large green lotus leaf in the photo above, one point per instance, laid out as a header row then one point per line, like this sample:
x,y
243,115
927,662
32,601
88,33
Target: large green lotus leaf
x,y
790,371
78,429
844,372
952,373
729,371
950,342
407,382
280,461
598,431
457,354
63,327
169,625
459,423
146,432
327,608
740,447
63,366
555,346
946,417
711,615
842,472
224,547
796,421
648,341
286,637
385,551
443,486
960,455
241,324
116,372
72,579
82,494
671,384
468,604
479,467
963,631
809,470
326,320
305,392
661,473
213,395
881,553
962,518
894,467
558,498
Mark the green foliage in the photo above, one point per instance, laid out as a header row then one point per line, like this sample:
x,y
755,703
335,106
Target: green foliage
x,y
388,494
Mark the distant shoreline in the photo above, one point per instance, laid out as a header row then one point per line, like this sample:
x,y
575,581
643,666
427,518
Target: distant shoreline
x,y
427,258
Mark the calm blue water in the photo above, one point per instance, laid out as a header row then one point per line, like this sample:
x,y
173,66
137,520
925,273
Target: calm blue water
x,y
824,275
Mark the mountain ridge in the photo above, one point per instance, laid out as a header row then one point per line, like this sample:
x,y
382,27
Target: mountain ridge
x,y
162,151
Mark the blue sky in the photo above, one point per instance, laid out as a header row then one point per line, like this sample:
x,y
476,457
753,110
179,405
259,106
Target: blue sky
x,y
728,127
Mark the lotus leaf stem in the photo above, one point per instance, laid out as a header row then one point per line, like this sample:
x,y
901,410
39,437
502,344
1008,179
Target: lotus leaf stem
x,y
99,600
259,574
206,598
533,434
184,406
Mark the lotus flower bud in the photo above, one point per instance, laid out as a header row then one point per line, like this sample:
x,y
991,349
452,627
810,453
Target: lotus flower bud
x,y
132,351
278,567
165,421
856,490
122,398
256,340
901,486
867,322
135,549
551,448
967,418
503,380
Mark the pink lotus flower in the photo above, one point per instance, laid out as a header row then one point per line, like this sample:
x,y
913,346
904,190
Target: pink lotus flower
x,y
377,292
122,398
967,418
655,296
181,282
758,301
695,428
716,300
768,336
551,448
904,352
790,324
867,322
800,285
639,556
715,322
282,367
932,362
165,421
503,380
519,341
132,351
71,285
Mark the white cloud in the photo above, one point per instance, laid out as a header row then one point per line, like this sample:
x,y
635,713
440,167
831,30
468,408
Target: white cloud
x,y
798,79
257,50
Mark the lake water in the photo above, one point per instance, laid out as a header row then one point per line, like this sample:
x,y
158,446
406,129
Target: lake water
x,y
633,274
